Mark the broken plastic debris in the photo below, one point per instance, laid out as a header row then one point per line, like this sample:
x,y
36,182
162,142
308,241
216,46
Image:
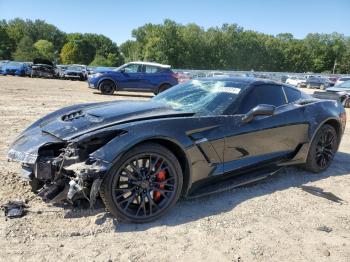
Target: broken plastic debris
x,y
320,193
14,209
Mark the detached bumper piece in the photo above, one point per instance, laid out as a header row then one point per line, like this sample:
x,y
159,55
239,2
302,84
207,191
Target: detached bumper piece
x,y
14,209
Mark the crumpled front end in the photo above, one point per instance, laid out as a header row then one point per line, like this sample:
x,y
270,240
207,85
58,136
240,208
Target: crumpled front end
x,y
62,171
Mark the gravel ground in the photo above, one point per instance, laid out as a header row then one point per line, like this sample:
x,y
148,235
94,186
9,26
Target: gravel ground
x,y
271,221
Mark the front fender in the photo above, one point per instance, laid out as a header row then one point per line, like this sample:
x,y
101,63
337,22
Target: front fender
x,y
113,150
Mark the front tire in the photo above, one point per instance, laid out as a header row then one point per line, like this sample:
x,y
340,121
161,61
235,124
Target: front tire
x,y
322,150
107,87
143,185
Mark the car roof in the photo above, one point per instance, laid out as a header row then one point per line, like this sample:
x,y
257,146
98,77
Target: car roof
x,y
150,64
240,79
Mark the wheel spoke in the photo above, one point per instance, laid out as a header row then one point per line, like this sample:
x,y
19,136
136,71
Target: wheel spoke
x,y
135,168
128,198
125,190
152,165
151,202
129,174
162,183
159,168
141,206
162,190
131,199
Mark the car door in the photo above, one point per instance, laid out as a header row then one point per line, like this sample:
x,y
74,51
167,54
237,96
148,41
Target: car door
x,y
149,78
265,139
131,76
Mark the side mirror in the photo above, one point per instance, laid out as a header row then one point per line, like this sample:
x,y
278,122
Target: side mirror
x,y
122,70
259,110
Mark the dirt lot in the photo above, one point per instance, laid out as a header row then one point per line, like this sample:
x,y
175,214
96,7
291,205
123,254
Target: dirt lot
x,y
270,221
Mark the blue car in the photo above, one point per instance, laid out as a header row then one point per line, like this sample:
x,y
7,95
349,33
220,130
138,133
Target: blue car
x,y
14,68
2,65
134,76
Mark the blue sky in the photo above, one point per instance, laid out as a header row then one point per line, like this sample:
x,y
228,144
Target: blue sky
x,y
116,19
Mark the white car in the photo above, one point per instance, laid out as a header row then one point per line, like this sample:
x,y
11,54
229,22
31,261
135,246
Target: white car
x,y
342,80
296,81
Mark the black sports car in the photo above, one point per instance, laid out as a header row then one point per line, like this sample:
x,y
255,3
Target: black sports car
x,y
42,68
196,138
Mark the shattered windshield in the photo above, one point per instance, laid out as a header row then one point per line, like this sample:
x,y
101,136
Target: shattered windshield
x,y
201,96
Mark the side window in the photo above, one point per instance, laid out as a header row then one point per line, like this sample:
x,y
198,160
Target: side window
x,y
133,68
292,94
263,94
151,69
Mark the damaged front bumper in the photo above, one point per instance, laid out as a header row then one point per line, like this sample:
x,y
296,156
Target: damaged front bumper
x,y
60,171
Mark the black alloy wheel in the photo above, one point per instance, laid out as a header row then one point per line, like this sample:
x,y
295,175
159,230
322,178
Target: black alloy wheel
x,y
322,149
107,87
144,186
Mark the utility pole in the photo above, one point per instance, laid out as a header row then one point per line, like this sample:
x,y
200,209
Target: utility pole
x,y
335,64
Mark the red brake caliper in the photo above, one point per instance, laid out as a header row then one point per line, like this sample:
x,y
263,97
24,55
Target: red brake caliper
x,y
161,176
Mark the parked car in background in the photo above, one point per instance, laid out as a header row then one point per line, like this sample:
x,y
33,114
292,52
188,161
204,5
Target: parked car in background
x,y
333,79
318,82
84,70
2,64
75,72
284,78
14,68
28,70
59,71
43,68
183,77
342,79
298,81
135,76
343,90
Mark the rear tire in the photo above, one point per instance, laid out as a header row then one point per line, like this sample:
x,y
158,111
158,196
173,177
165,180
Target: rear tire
x,y
132,191
322,150
107,87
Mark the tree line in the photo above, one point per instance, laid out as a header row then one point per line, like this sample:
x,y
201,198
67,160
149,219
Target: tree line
x,y
229,47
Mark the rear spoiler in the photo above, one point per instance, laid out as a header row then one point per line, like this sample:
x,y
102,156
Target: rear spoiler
x,y
329,95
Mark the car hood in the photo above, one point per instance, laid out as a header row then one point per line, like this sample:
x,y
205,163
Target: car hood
x,y
74,123
338,89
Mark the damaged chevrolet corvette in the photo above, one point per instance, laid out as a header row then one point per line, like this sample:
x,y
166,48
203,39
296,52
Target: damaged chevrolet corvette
x,y
200,137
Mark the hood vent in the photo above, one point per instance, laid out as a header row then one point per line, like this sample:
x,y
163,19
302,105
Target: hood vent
x,y
73,115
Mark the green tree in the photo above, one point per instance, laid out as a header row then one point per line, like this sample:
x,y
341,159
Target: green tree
x,y
25,50
77,52
100,60
131,51
18,28
6,44
45,49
